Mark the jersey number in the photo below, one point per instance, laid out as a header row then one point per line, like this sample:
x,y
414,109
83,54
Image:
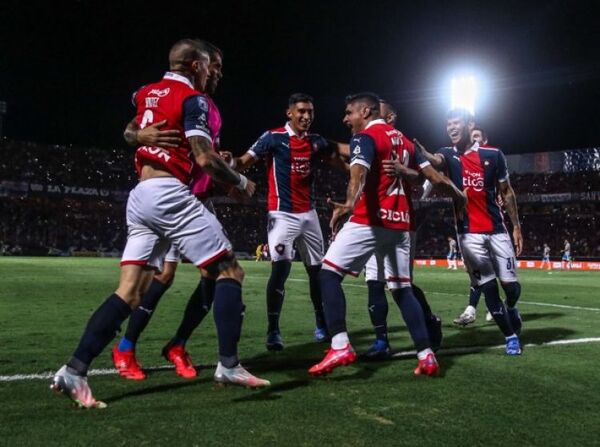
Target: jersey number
x,y
147,118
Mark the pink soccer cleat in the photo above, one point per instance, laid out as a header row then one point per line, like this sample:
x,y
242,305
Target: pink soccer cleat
x,y
333,359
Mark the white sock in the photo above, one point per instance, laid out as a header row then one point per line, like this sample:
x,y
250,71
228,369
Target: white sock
x,y
470,310
424,353
340,341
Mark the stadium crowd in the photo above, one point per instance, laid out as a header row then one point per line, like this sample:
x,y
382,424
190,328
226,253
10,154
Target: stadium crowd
x,y
41,223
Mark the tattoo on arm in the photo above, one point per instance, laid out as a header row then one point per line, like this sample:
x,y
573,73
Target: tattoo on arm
x,y
130,133
210,161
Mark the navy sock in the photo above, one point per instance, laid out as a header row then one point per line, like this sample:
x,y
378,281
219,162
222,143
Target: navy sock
x,y
513,292
315,294
496,307
334,301
280,271
378,309
140,317
413,317
420,296
474,296
197,308
102,327
229,314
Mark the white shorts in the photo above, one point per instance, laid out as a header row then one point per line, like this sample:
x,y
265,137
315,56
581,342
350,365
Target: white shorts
x,y
356,243
488,256
374,269
162,211
173,254
303,228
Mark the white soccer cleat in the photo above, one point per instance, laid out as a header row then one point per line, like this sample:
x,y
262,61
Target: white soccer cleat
x,y
238,375
76,388
488,317
465,319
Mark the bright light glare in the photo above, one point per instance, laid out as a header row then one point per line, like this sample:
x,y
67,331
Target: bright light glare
x,y
463,92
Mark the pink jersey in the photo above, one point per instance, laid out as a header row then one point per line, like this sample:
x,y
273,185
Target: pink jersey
x,y
202,182
383,202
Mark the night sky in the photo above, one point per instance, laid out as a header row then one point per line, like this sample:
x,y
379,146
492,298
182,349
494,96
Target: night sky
x,y
67,69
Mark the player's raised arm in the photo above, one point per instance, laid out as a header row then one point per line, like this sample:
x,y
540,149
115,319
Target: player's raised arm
x,y
436,160
151,135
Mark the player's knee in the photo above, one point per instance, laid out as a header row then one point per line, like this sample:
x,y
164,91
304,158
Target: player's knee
x,y
226,267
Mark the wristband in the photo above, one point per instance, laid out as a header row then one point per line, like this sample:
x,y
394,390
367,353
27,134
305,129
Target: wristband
x,y
243,183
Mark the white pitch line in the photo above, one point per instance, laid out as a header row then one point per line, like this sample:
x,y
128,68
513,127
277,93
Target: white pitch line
x,y
528,303
403,354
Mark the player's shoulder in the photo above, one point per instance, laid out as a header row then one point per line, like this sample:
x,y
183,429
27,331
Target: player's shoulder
x,y
489,149
277,131
447,150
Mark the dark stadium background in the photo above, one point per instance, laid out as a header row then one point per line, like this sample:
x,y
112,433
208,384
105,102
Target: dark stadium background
x,y
68,68
67,71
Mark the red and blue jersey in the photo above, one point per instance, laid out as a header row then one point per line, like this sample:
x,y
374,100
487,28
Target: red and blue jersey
x,y
187,110
290,160
384,201
478,171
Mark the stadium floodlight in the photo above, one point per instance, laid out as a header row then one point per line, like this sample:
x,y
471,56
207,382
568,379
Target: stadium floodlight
x,y
463,93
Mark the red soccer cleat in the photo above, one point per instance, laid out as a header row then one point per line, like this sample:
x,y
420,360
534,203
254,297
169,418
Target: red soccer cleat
x,y
333,359
178,356
126,364
428,366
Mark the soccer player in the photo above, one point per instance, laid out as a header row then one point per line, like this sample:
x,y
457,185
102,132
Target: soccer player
x,y
469,315
374,271
451,253
291,153
200,301
482,236
161,210
566,256
546,257
379,223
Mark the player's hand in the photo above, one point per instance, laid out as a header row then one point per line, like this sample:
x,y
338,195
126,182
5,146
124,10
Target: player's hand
x,y
152,136
340,213
518,240
419,145
250,188
393,168
226,156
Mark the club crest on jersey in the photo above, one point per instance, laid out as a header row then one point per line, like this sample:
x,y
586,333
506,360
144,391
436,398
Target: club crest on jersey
x,y
280,248
160,93
203,103
473,180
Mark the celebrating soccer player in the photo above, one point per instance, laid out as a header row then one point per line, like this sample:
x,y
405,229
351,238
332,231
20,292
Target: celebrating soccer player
x,y
161,210
291,153
379,223
482,236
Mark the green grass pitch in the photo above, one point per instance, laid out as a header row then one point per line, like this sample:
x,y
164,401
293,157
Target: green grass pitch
x,y
548,396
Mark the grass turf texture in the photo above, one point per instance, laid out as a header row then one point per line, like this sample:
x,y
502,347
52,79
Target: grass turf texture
x,y
548,396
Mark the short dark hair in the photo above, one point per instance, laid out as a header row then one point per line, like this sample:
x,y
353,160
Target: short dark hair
x,y
210,48
483,132
370,99
299,97
460,113
389,105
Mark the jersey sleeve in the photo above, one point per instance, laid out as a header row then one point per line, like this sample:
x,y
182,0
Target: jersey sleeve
x,y
195,117
420,159
262,147
502,168
362,150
